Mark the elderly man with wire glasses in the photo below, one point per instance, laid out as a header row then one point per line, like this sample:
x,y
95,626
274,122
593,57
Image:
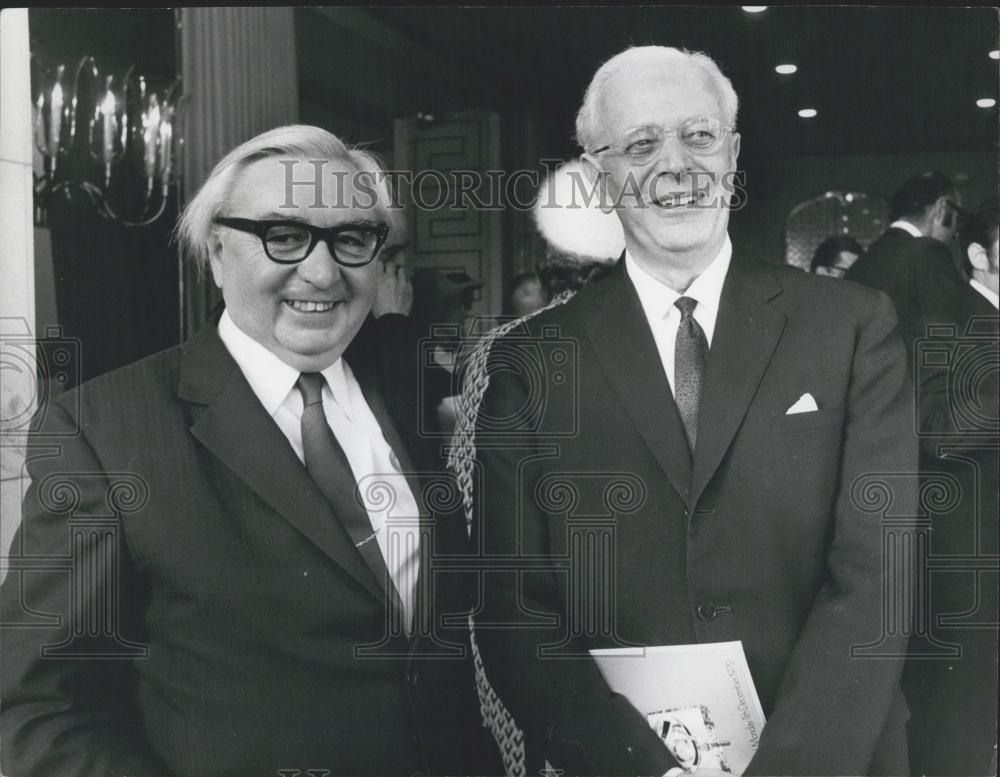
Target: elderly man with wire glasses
x,y
718,454
241,545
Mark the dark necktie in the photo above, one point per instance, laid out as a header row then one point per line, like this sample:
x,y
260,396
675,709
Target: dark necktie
x,y
330,469
324,456
690,352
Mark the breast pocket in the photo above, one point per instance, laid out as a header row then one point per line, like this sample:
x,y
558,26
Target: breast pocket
x,y
805,422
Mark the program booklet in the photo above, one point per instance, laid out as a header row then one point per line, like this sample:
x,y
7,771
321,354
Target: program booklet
x,y
700,699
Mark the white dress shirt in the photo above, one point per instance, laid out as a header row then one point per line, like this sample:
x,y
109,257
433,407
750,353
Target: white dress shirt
x,y
359,434
663,316
906,226
991,296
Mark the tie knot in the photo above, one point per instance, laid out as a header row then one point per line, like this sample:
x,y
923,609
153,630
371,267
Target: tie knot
x,y
310,385
686,305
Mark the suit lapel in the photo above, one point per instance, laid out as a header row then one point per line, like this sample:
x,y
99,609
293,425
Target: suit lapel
x,y
747,331
267,463
640,383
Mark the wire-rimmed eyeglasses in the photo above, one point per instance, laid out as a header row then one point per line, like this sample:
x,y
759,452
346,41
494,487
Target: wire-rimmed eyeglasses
x,y
699,134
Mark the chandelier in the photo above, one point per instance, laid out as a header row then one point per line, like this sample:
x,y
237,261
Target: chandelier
x,y
106,138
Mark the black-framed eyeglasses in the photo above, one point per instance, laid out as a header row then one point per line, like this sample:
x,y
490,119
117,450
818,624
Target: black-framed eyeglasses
x,y
699,134
290,242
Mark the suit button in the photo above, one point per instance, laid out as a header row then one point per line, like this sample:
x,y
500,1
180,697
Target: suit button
x,y
412,678
707,612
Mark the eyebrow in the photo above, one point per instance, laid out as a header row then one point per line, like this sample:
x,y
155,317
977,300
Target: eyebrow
x,y
359,222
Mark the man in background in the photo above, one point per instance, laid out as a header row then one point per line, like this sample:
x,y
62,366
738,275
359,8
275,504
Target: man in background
x,y
835,256
912,260
953,697
981,255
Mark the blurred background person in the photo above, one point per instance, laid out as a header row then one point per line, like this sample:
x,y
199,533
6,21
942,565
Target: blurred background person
x,y
417,325
953,699
912,261
980,251
526,295
442,302
395,292
835,255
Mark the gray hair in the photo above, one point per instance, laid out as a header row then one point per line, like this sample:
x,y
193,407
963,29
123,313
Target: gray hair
x,y
194,229
586,119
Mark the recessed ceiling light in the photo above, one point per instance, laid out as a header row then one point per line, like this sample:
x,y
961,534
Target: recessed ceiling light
x,y
995,54
807,113
986,102
754,8
786,70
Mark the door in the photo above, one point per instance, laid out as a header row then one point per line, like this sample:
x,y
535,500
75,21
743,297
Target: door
x,y
440,155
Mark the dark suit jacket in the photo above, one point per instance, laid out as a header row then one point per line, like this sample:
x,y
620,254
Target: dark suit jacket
x,y
954,697
770,535
919,276
241,607
953,730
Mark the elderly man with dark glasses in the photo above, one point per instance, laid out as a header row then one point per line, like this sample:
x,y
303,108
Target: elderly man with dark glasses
x,y
268,603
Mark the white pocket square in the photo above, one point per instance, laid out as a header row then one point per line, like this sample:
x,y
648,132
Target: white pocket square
x,y
804,404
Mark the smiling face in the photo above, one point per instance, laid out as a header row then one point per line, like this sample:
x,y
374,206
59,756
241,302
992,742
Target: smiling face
x,y
674,207
306,314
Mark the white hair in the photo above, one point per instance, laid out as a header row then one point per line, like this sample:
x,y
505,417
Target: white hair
x,y
586,119
194,229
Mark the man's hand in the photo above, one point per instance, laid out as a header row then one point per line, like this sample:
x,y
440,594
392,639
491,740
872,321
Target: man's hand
x,y
394,293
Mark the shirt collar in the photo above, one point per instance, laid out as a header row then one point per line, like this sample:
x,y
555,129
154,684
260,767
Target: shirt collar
x,y
272,379
906,226
706,289
269,377
337,379
987,292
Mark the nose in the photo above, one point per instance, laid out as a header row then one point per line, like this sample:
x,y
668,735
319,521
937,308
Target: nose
x,y
674,159
319,268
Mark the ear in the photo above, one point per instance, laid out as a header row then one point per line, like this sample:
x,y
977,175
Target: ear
x,y
978,257
595,175
940,210
736,146
215,256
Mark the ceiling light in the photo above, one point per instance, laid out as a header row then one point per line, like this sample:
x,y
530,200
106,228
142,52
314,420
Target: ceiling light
x,y
995,54
807,113
785,70
986,102
754,8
